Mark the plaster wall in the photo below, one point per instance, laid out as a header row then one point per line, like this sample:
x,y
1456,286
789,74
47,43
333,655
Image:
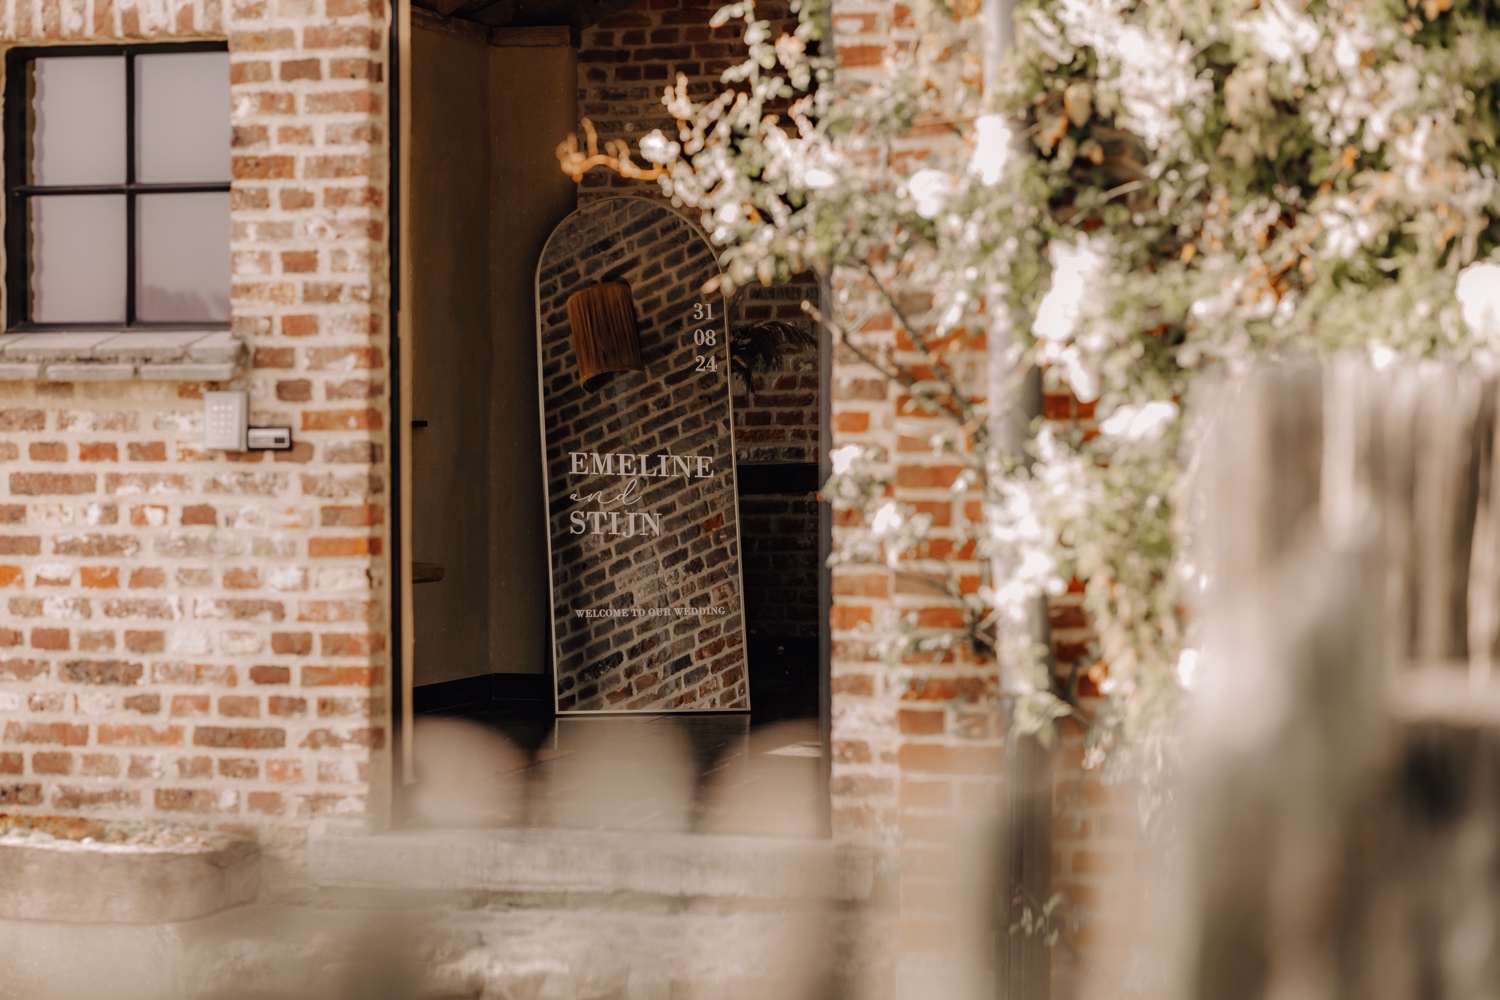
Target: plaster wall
x,y
533,107
488,111
448,231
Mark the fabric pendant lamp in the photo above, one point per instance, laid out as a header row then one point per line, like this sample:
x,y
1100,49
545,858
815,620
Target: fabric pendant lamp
x,y
605,340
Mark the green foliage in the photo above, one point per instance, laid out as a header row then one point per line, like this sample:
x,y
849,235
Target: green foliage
x,y
1148,192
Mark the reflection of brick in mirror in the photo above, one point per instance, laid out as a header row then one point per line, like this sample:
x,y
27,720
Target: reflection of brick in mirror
x,y
642,487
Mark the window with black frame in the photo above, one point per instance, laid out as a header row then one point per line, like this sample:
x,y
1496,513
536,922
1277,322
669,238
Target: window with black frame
x,y
117,175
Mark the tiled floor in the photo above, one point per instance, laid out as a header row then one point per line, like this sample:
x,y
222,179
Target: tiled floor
x,y
670,773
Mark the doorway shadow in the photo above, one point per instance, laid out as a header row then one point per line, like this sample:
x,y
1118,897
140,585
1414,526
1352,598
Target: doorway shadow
x,y
721,773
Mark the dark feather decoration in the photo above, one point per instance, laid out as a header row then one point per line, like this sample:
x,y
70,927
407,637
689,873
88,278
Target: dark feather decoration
x,y
757,348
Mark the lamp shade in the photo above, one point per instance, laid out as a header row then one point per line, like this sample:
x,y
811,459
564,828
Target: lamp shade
x,y
605,340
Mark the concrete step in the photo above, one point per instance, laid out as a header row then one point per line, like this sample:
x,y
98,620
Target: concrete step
x,y
85,881
594,862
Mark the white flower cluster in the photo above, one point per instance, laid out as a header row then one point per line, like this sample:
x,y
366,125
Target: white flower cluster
x,y
1077,272
1478,294
1150,69
1150,191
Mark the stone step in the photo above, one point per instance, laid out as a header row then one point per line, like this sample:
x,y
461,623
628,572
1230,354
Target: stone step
x,y
594,862
86,881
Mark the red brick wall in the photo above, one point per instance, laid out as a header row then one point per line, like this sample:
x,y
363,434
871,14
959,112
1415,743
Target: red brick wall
x,y
918,753
776,416
623,65
625,61
1096,825
49,21
204,635
780,534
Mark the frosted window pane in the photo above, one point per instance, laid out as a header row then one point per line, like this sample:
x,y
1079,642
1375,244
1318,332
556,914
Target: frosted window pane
x,y
182,114
78,259
79,128
183,258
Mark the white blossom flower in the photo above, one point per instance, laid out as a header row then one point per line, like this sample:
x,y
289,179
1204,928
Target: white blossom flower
x,y
1346,229
1153,72
1478,293
730,213
1349,45
843,459
1282,34
887,520
657,148
1139,423
789,50
1069,361
993,142
930,189
1413,156
1401,86
1074,269
1187,667
817,178
1049,38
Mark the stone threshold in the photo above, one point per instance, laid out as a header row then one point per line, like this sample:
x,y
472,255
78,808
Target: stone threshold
x,y
84,882
594,862
112,356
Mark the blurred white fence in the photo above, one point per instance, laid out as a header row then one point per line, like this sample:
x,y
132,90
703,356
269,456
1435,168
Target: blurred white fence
x,y
1340,820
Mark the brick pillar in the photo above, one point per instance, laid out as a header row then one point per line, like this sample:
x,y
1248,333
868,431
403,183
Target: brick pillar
x,y
917,752
203,636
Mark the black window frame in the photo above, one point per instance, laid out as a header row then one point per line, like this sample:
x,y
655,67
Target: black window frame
x,y
17,156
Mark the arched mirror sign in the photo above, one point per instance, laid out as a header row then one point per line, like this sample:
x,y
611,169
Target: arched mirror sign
x,y
638,441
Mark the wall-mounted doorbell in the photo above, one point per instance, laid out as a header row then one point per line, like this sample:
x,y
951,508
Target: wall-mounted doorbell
x,y
226,426
268,438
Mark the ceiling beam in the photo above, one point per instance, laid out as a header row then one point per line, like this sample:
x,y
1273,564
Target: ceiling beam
x,y
577,14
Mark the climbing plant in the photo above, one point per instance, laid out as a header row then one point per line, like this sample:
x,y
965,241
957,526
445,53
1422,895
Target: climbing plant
x,y
1136,195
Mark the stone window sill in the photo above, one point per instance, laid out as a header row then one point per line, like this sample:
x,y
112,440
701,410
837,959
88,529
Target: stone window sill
x,y
175,355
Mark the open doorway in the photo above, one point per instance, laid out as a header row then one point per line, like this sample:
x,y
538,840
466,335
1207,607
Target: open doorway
x,y
488,92
481,200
